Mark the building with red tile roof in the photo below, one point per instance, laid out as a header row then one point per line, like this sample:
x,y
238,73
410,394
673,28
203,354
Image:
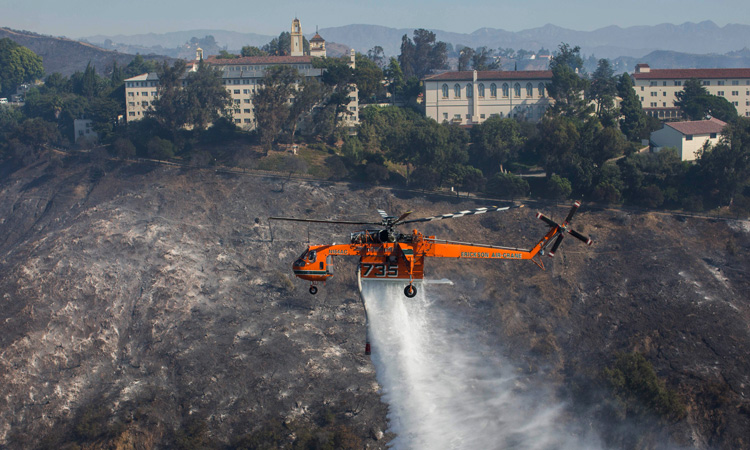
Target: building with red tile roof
x,y
656,88
688,137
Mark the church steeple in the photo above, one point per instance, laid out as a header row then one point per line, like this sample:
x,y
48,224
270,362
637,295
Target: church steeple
x,y
296,43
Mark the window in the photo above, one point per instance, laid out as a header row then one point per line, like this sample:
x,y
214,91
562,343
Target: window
x,y
653,104
246,111
481,116
641,98
517,90
735,82
237,91
131,113
736,103
481,90
131,94
457,117
468,116
131,104
457,91
689,137
352,108
735,92
642,88
236,110
541,90
445,91
237,120
678,83
653,83
248,121
469,91
664,94
247,100
721,83
664,104
654,94
445,116
145,94
236,101
529,90
493,90
713,135
720,93
706,83
144,103
506,90
665,83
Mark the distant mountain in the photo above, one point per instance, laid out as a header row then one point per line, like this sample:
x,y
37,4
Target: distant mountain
x,y
67,56
608,42
664,59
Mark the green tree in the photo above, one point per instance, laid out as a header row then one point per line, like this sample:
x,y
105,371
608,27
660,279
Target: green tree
x,y
369,78
422,55
724,170
567,86
507,185
18,65
309,93
697,104
494,143
250,50
169,107
464,58
633,122
482,60
206,97
603,91
377,56
223,54
139,66
271,102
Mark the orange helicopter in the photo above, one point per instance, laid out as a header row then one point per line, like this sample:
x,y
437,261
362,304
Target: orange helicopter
x,y
386,254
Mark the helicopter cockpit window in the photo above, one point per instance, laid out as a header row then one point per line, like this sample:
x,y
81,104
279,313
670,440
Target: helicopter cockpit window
x,y
311,256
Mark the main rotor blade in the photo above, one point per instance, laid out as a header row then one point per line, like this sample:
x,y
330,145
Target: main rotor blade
x,y
345,222
468,212
382,213
572,212
547,220
581,237
403,216
556,244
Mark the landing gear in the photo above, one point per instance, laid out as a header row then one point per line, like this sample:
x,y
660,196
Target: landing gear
x,y
410,291
313,290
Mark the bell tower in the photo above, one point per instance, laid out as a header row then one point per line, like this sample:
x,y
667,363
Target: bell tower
x,y
296,43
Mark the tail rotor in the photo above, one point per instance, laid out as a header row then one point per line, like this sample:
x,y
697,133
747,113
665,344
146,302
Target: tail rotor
x,y
561,229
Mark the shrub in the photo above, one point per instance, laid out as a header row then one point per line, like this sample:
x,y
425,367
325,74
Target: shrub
x,y
639,391
558,188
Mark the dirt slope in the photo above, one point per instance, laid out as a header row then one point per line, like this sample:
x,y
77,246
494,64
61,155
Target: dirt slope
x,y
152,300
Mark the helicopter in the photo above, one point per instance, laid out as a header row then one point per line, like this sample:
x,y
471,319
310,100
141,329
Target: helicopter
x,y
387,254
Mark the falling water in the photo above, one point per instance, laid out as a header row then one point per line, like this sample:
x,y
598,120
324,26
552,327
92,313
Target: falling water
x,y
445,389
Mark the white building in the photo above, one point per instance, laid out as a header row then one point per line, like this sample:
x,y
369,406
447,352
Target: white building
x,y
656,88
687,137
471,97
82,130
242,77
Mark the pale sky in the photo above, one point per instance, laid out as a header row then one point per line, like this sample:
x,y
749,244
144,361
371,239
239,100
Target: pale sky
x,y
78,18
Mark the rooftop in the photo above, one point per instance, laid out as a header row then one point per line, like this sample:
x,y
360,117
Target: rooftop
x,y
658,74
712,125
468,75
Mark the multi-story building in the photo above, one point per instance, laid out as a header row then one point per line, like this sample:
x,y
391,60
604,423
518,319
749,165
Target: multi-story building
x,y
471,97
656,88
242,78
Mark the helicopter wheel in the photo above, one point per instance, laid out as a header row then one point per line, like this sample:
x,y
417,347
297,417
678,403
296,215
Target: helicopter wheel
x,y
313,290
410,291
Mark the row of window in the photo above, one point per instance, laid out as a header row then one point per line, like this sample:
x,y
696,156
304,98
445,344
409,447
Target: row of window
x,y
705,83
493,90
141,83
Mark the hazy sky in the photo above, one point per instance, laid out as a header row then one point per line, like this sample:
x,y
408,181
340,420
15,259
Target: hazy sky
x,y
78,18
